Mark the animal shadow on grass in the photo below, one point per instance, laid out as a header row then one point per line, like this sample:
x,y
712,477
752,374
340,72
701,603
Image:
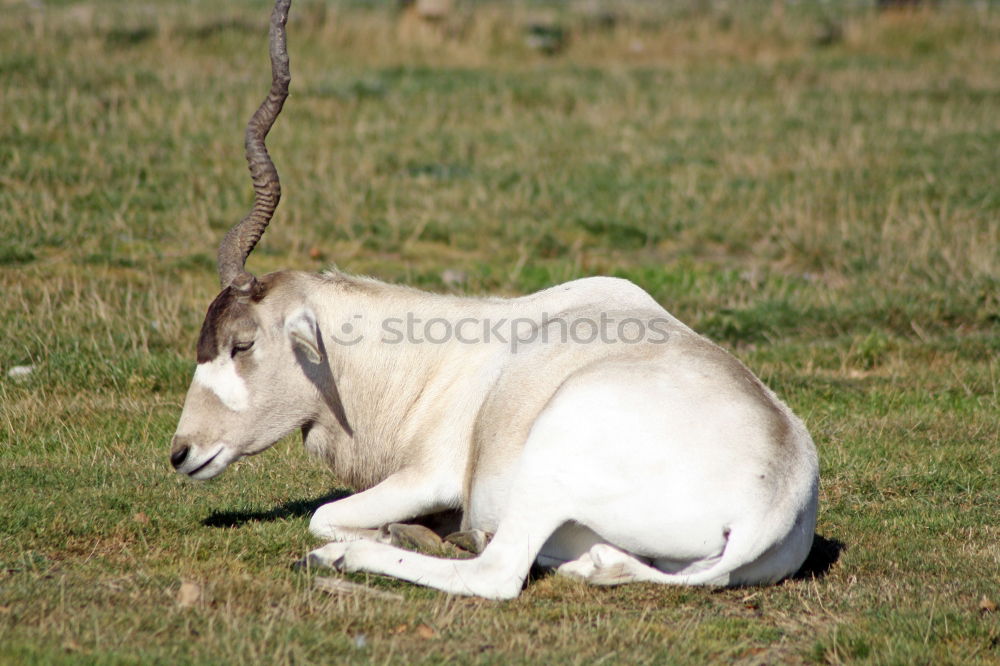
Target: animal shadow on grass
x,y
822,556
291,509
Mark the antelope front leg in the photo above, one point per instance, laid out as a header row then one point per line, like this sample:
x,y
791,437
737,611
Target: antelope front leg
x,y
402,496
498,573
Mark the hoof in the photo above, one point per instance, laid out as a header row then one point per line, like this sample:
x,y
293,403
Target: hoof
x,y
474,541
331,555
413,537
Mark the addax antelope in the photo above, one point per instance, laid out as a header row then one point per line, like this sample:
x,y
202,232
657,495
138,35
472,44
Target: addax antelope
x,y
583,426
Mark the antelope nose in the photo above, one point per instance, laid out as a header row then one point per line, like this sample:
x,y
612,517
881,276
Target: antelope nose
x,y
179,453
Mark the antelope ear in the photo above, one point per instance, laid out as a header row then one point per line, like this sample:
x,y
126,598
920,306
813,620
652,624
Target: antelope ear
x,y
303,333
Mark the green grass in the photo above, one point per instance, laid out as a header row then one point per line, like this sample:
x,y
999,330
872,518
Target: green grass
x,y
826,207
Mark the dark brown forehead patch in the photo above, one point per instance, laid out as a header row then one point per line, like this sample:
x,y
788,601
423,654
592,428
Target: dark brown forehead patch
x,y
208,339
230,306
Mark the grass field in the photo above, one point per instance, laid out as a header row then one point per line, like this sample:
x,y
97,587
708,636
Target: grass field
x,y
817,189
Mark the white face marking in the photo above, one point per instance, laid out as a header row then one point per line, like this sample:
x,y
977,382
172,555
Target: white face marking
x,y
220,377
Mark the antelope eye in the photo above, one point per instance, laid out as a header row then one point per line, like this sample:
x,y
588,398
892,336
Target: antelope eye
x,y
239,347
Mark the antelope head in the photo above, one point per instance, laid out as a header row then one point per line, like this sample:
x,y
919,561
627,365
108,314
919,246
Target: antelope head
x,y
244,397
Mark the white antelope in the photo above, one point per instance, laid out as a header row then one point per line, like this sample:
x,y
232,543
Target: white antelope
x,y
583,426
